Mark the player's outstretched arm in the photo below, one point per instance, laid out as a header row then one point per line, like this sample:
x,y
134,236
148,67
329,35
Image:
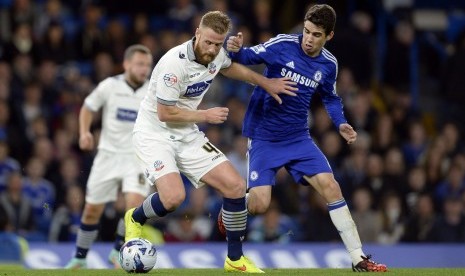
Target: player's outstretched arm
x,y
349,134
274,87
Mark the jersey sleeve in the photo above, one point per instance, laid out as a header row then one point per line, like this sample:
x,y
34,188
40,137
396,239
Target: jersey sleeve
x,y
226,60
258,54
97,98
331,100
168,82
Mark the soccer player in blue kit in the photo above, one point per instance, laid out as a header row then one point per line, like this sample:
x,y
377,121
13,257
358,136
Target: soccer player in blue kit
x,y
279,134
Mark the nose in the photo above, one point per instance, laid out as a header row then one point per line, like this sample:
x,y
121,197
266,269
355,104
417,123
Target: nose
x,y
211,50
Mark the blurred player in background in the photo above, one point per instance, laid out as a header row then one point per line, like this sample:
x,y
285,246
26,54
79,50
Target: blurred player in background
x,y
279,135
115,165
168,141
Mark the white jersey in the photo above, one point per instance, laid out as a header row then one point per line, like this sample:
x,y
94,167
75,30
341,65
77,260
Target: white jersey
x,y
178,80
120,104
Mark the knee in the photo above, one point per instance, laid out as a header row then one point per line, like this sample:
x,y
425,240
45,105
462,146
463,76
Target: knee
x,y
236,189
332,191
257,205
173,200
134,201
92,213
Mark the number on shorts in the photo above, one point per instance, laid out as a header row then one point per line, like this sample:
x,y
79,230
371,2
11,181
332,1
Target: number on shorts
x,y
209,147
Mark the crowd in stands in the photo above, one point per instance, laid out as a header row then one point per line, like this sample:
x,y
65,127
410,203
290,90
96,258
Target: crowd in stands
x,y
404,178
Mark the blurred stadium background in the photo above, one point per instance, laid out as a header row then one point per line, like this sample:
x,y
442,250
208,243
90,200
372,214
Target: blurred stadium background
x,y
401,77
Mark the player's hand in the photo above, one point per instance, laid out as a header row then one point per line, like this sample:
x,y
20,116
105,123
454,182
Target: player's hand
x,y
234,43
86,141
348,133
277,86
216,115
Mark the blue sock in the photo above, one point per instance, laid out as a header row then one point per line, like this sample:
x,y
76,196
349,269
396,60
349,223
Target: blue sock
x,y
87,234
119,241
151,208
235,222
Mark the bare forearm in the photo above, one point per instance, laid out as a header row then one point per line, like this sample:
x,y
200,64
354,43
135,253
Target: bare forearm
x,y
85,120
176,114
239,72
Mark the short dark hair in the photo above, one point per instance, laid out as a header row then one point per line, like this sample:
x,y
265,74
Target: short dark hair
x,y
322,16
217,21
137,48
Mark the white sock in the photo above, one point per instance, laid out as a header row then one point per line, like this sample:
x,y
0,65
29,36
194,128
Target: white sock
x,y
340,215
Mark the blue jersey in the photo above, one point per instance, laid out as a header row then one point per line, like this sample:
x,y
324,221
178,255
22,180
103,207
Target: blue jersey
x,y
283,56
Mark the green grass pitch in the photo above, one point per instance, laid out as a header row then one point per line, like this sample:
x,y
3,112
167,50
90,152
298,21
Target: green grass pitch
x,y
18,271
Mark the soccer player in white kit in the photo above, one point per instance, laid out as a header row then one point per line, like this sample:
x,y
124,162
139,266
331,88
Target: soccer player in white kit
x,y
115,164
167,140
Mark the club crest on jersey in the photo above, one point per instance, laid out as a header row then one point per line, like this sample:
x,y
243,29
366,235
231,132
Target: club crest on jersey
x,y
317,75
158,165
170,79
211,68
254,175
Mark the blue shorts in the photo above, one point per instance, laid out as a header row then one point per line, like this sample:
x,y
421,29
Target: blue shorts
x,y
300,157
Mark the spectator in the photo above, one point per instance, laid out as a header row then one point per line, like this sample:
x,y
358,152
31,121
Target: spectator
x,y
273,226
238,155
393,217
421,220
21,11
14,247
17,206
54,46
7,165
368,221
450,226
384,134
67,218
181,229
416,185
394,170
324,230
40,193
22,43
452,185
416,144
452,80
90,39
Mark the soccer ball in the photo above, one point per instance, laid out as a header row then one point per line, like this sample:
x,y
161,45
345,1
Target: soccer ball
x,y
137,256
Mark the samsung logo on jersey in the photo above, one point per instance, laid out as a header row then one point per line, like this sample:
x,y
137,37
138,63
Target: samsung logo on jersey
x,y
197,89
298,78
126,115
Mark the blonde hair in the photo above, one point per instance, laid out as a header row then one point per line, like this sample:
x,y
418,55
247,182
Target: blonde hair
x,y
136,48
217,21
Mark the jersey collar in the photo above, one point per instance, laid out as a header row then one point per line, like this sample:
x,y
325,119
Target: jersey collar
x,y
190,49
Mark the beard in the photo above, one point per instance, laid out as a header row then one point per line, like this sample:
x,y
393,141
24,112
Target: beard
x,y
135,80
203,58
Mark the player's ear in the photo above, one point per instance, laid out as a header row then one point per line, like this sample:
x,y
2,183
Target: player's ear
x,y
126,65
330,36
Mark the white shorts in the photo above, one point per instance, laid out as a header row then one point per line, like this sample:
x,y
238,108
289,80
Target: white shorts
x,y
109,172
159,156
